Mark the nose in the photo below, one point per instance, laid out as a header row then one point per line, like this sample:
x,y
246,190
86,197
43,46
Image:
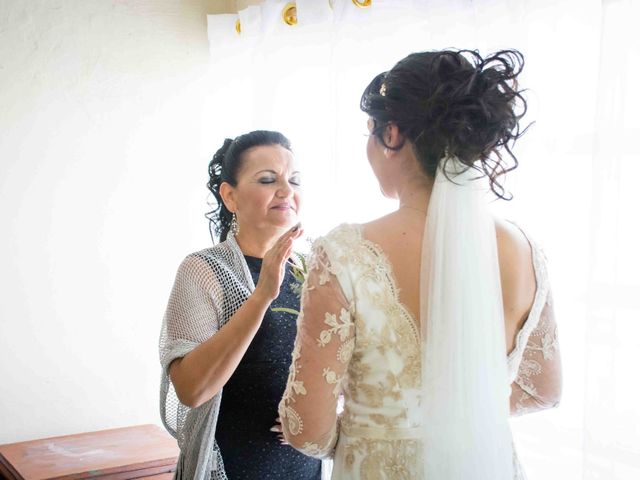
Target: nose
x,y
284,190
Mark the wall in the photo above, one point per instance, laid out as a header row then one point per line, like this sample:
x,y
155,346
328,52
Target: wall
x,y
103,162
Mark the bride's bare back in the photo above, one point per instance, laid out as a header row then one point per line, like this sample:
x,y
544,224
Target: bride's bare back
x,y
399,235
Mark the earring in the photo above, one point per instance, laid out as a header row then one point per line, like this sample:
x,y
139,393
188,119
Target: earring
x,y
234,228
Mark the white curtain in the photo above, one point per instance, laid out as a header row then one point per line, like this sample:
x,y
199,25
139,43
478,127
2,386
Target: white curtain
x,y
574,190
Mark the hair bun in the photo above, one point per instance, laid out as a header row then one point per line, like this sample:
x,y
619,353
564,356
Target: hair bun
x,y
483,115
455,103
218,157
215,166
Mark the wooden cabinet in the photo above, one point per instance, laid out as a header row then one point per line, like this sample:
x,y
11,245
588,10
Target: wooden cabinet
x,y
142,452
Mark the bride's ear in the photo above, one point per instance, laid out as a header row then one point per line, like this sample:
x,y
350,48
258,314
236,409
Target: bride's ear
x,y
393,139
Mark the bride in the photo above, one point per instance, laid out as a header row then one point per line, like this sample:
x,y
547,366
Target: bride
x,y
422,319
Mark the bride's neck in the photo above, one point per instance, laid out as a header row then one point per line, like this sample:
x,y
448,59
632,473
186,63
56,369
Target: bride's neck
x,y
415,192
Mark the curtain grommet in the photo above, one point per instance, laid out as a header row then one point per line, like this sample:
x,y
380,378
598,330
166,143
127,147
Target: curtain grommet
x,y
238,27
290,14
362,3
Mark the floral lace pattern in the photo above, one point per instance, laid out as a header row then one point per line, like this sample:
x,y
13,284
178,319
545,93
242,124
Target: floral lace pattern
x,y
350,289
357,341
334,336
537,382
535,364
383,459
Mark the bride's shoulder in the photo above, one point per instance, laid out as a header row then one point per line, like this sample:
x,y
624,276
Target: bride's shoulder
x,y
515,249
516,257
343,233
340,240
515,242
511,238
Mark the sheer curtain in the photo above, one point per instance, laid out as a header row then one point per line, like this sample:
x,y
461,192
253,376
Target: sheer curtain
x,y
574,191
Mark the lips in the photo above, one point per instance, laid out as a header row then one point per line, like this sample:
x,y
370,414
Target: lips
x,y
283,206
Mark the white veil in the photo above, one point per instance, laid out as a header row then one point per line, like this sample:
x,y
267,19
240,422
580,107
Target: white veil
x,y
466,433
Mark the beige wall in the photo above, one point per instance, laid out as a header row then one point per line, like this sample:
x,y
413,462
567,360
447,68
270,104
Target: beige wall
x,y
231,6
103,159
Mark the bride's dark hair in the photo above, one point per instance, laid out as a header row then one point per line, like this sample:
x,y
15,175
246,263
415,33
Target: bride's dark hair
x,y
454,102
224,167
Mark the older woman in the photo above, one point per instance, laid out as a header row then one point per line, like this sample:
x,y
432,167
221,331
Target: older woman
x,y
424,317
220,329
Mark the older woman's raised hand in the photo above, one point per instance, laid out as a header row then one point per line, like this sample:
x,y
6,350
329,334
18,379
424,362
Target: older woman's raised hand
x,y
273,268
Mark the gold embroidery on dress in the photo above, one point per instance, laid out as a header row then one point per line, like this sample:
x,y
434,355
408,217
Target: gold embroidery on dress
x,y
371,348
384,459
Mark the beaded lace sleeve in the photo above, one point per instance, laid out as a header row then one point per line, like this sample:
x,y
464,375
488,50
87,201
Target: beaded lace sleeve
x,y
538,383
535,365
322,351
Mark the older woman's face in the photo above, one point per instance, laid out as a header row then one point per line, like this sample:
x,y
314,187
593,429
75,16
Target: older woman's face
x,y
267,193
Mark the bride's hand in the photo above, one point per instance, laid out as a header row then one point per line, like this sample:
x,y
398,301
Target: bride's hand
x,y
272,271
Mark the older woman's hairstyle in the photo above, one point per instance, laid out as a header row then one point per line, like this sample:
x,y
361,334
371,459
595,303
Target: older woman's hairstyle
x,y
453,103
224,167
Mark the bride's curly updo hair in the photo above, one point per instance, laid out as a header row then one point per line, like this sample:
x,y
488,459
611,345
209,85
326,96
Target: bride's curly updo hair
x,y
453,103
224,167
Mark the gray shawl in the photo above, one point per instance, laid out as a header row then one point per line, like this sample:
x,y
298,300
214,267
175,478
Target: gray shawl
x,y
209,287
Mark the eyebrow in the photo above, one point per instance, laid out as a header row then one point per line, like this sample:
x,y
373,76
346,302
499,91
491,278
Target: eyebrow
x,y
274,172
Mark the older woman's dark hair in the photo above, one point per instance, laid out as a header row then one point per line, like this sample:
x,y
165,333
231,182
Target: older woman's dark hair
x,y
452,103
224,167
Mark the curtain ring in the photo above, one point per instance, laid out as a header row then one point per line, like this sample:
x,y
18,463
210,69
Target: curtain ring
x,y
290,14
238,27
331,3
362,3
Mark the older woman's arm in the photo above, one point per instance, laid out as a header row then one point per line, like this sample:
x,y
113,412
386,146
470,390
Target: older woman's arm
x,y
538,384
322,351
193,314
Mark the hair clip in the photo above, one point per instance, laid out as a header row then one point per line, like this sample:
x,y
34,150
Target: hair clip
x,y
383,89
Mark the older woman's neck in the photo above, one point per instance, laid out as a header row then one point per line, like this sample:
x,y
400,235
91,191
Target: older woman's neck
x,y
256,243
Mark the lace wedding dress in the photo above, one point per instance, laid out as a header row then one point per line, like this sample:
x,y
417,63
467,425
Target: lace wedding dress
x,y
358,344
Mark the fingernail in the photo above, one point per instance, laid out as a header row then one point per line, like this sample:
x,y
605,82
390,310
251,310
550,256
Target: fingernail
x,y
274,429
296,227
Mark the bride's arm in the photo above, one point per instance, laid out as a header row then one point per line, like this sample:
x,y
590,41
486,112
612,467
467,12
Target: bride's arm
x,y
322,351
538,384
